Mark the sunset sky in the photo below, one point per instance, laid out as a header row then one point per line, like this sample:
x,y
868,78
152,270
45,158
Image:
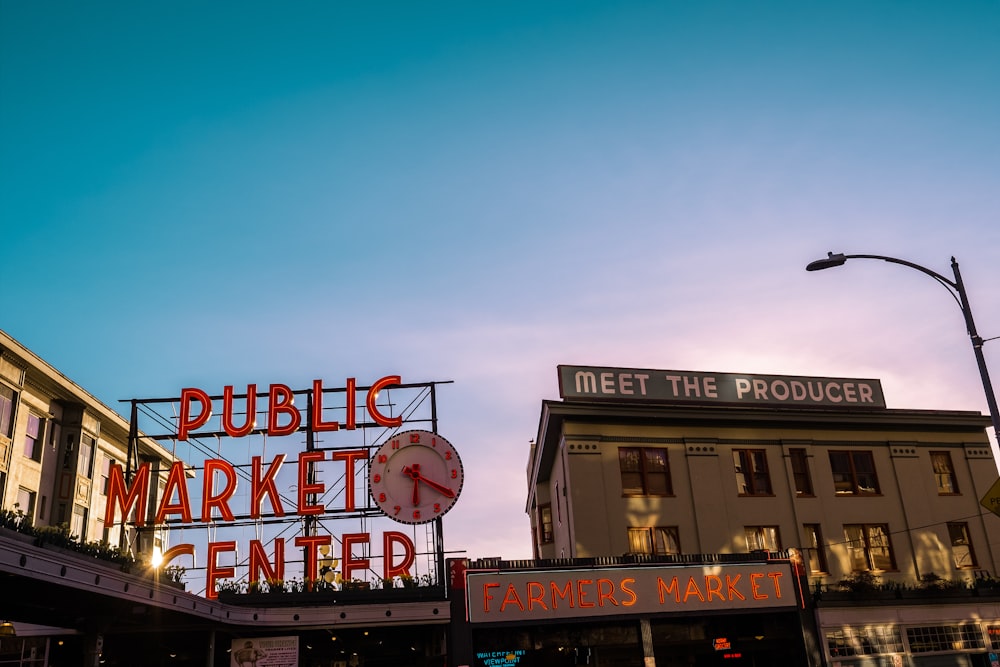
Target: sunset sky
x,y
202,194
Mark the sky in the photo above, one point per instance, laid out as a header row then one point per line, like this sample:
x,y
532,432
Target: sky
x,y
200,194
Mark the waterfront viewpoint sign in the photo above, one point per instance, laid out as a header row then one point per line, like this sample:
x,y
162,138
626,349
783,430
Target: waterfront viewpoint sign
x,y
645,385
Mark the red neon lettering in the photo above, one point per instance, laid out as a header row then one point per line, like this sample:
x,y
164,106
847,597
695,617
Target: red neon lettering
x,y
186,423
378,417
214,572
581,595
349,457
511,597
692,589
713,586
775,577
118,497
227,412
281,400
662,588
487,597
173,552
566,593
261,486
311,543
536,593
305,488
731,582
317,410
259,562
633,598
208,498
176,482
350,419
389,538
349,563
755,586
608,595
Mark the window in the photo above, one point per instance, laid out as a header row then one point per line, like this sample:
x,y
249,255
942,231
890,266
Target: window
x,y
33,437
658,540
933,638
752,478
961,545
854,473
7,403
815,548
26,502
78,526
85,463
645,471
763,538
800,472
864,640
106,464
545,524
869,547
944,473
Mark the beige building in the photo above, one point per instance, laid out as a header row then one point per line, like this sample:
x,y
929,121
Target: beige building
x,y
57,444
878,509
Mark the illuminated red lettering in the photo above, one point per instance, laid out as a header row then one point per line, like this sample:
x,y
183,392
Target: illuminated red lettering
x,y
608,594
214,572
136,495
390,538
176,483
310,544
755,578
511,597
227,412
536,595
186,423
581,595
370,402
775,577
259,562
565,593
281,400
261,486
713,586
305,488
348,561
349,457
732,591
487,597
633,598
208,498
317,410
663,589
692,589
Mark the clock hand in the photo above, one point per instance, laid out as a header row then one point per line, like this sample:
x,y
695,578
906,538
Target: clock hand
x,y
415,475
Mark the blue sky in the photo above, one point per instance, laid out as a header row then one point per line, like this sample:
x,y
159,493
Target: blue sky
x,y
201,194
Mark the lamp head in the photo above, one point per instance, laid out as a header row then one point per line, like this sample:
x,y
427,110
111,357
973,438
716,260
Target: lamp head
x,y
831,261
7,629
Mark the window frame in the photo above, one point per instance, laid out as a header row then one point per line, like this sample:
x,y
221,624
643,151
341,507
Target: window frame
x,y
545,537
8,410
866,547
852,458
761,537
36,440
964,527
816,549
948,474
645,474
801,476
652,537
746,460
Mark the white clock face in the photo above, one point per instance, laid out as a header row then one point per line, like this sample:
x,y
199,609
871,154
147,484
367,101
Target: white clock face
x,y
415,476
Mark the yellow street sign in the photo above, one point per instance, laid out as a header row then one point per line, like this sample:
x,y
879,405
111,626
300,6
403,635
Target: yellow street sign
x,y
991,500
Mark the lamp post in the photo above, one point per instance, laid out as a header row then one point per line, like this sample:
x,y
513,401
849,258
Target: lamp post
x,y
957,290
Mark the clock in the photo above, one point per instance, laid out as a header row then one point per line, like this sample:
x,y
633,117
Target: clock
x,y
415,476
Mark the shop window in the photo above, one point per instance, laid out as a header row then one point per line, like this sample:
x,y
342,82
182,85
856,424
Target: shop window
x,y
762,538
545,523
33,437
8,400
944,473
864,640
854,473
645,471
961,545
752,476
869,547
815,548
26,502
800,472
85,462
934,638
657,540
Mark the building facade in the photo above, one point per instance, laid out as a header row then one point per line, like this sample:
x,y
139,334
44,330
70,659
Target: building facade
x,y
650,462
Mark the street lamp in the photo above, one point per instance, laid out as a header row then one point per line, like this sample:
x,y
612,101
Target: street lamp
x,y
957,290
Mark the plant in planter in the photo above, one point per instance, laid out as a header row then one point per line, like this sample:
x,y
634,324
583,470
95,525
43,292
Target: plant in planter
x,y
17,520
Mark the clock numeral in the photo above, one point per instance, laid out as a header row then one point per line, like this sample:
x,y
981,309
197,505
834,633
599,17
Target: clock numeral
x,y
381,497
396,509
382,458
395,444
376,478
434,442
416,514
447,456
414,438
437,507
454,473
